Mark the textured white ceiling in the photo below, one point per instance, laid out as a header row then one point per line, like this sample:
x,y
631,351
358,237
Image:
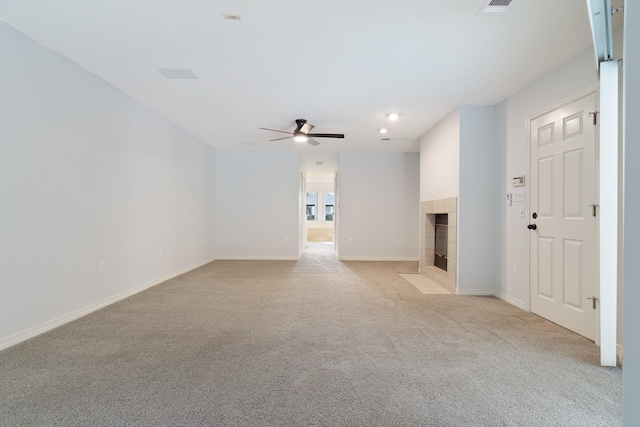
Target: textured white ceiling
x,y
342,65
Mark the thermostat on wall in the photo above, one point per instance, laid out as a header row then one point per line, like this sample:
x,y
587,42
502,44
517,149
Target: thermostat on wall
x,y
518,181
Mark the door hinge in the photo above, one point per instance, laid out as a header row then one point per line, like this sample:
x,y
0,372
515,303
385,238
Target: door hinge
x,y
594,117
594,210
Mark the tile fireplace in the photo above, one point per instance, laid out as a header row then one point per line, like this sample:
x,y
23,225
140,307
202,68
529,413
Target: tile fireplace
x,y
438,241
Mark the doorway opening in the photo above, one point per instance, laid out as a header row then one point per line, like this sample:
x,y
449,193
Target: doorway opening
x,y
320,208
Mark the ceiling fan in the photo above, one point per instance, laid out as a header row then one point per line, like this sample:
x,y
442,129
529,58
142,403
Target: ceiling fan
x,y
301,133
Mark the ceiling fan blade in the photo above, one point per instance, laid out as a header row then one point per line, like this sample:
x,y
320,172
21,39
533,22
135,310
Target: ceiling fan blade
x,y
306,128
326,135
312,142
278,139
276,130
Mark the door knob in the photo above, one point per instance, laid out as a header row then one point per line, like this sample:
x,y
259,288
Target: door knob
x,y
532,226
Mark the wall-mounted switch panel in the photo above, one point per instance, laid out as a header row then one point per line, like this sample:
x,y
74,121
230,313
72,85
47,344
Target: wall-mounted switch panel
x,y
518,196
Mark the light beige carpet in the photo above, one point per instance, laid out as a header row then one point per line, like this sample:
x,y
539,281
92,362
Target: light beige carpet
x,y
312,342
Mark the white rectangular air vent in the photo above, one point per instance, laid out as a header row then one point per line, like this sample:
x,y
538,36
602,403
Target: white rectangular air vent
x,y
495,7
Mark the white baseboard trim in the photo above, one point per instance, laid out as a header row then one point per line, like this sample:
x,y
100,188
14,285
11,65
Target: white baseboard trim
x,y
484,293
76,314
515,302
476,292
256,258
360,258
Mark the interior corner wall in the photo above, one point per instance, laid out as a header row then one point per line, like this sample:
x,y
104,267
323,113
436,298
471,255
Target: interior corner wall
x,y
258,204
478,208
440,159
379,209
631,357
87,175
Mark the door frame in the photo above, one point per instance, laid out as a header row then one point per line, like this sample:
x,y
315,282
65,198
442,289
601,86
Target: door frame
x,y
592,89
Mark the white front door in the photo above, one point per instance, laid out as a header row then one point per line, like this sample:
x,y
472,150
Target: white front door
x,y
563,246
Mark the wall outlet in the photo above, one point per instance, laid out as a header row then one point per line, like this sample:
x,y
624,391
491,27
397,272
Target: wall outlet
x,y
286,240
516,268
102,267
161,253
521,211
350,240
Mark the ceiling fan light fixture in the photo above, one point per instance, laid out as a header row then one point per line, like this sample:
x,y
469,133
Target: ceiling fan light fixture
x,y
300,137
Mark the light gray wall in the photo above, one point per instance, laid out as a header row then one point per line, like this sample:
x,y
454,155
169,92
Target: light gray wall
x,y
440,159
258,204
89,175
631,362
378,205
458,159
478,210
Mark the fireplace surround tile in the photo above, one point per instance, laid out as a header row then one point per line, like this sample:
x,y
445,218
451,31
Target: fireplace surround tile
x,y
453,235
428,211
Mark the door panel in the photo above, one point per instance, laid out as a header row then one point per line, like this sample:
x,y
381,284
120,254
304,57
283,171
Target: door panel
x,y
545,267
545,187
563,246
573,285
573,191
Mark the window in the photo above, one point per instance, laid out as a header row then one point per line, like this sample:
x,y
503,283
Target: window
x,y
328,206
312,206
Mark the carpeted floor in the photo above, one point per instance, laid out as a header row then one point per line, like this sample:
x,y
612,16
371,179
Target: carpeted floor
x,y
313,342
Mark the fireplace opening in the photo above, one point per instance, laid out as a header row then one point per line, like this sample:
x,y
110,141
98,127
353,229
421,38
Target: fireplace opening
x,y
441,239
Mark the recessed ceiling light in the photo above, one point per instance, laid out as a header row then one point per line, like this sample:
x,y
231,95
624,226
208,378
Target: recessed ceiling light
x,y
178,73
383,130
393,116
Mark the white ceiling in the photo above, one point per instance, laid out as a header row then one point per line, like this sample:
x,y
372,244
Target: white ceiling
x,y
342,65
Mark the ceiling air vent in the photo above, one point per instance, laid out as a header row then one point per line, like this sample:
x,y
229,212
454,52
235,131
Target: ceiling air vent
x,y
495,7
